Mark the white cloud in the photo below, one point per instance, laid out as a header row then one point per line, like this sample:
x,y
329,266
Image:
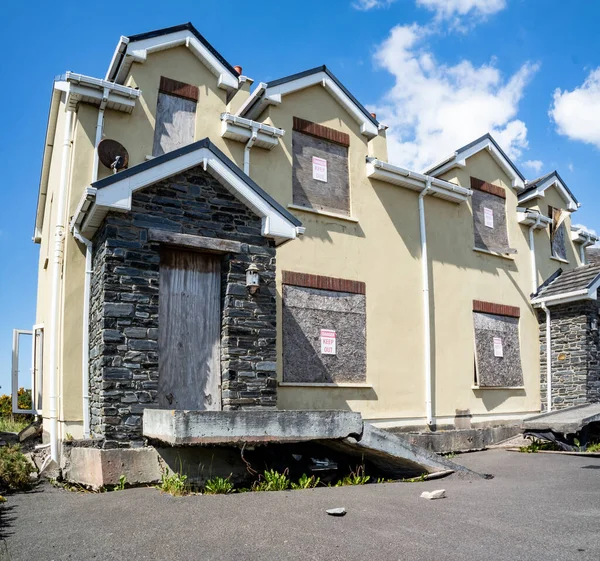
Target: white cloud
x,y
577,112
571,167
535,165
434,108
449,9
365,5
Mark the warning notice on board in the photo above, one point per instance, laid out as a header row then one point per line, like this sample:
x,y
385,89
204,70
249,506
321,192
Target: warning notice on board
x,y
319,166
498,347
328,340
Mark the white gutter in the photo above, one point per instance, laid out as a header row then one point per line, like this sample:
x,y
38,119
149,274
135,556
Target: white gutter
x,y
426,311
548,359
59,240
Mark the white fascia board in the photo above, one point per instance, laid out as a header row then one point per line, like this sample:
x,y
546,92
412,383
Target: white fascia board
x,y
140,50
583,236
528,217
57,94
554,300
116,58
254,98
552,181
85,202
460,160
117,196
274,95
241,130
376,169
101,84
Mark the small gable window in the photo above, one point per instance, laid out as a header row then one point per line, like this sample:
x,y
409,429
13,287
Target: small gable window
x,y
558,244
497,348
489,217
320,167
175,116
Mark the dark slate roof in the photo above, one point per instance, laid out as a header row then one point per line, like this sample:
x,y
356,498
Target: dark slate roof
x,y
205,143
570,281
324,68
593,255
489,137
189,27
532,185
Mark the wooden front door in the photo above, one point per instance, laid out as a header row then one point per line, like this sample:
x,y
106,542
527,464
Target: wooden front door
x,y
189,331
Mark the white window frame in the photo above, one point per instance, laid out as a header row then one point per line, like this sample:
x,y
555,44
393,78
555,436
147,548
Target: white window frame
x,y
36,374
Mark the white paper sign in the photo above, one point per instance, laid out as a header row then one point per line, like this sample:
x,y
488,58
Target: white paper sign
x,y
319,169
498,347
328,338
488,217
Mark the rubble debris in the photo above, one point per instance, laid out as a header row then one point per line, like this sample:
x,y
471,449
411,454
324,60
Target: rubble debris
x,y
432,495
341,511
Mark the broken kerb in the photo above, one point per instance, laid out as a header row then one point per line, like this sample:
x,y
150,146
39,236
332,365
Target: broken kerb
x,y
176,427
570,420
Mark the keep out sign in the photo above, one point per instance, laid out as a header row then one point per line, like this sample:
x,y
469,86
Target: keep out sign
x,y
328,338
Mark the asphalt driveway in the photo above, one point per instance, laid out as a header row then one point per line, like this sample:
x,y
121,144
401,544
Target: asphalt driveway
x,y
538,506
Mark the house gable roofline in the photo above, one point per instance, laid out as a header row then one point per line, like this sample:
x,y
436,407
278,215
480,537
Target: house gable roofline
x,y
581,283
537,188
136,48
114,193
271,93
485,142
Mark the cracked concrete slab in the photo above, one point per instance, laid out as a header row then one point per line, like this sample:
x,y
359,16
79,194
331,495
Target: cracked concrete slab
x,y
566,421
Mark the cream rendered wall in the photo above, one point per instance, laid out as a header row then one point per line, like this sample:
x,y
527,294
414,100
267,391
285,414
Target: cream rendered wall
x,y
370,250
546,264
136,131
45,265
461,275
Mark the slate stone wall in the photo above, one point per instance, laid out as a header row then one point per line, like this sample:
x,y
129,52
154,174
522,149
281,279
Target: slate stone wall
x,y
124,353
575,354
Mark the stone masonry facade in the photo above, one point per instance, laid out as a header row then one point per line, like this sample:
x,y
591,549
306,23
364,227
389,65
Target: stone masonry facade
x,y
575,354
124,352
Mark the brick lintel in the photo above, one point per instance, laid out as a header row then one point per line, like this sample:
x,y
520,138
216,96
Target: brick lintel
x,y
496,309
321,131
490,188
324,283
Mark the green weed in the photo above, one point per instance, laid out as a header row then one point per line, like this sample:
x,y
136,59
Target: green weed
x,y
272,480
306,482
356,477
15,469
218,486
174,483
419,479
121,485
537,445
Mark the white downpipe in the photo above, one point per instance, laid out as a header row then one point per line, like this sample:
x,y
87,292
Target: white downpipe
x,y
247,149
59,241
426,318
85,350
548,359
582,253
534,285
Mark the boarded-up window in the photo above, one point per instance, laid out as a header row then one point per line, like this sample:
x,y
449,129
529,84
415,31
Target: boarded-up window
x,y
489,217
175,116
497,349
320,167
557,232
324,332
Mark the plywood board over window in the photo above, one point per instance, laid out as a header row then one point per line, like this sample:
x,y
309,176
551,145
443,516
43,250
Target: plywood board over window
x,y
557,232
175,116
320,167
497,348
489,217
324,330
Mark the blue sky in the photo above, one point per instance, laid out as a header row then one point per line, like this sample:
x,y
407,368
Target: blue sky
x,y
437,71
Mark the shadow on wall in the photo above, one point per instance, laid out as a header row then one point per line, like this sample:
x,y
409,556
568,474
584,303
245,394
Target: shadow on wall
x,y
494,398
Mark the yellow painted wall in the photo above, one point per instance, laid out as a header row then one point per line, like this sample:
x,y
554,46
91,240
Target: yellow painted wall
x,y
379,245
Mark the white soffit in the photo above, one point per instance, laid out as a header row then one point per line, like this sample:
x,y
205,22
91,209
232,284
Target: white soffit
x,y
117,195
460,157
540,192
273,95
138,51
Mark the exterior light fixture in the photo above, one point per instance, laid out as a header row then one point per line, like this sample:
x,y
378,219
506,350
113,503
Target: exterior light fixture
x,y
594,324
252,279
